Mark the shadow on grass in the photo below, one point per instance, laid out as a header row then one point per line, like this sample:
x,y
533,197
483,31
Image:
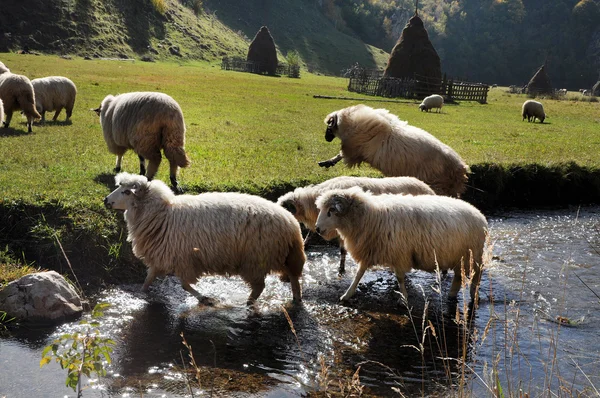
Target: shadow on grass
x,y
54,123
11,132
106,179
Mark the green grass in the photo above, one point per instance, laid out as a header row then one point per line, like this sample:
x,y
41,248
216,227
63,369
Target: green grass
x,y
253,132
257,134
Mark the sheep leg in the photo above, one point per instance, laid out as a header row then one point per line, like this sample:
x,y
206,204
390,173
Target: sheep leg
x,y
296,290
173,177
257,289
7,119
352,289
69,113
118,163
331,162
56,114
201,299
150,277
308,236
456,283
142,165
29,123
43,119
343,252
153,163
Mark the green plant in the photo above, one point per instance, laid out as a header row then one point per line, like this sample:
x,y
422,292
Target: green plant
x,y
4,319
293,58
81,353
160,6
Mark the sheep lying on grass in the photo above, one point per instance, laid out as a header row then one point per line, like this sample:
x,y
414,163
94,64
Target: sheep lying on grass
x,y
433,101
145,122
301,201
54,93
16,92
394,147
532,109
405,232
211,233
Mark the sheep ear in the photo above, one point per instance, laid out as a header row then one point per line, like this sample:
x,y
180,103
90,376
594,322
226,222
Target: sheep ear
x,y
340,205
289,206
333,121
97,110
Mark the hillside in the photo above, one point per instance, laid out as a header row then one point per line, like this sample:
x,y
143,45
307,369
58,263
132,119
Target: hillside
x,y
134,28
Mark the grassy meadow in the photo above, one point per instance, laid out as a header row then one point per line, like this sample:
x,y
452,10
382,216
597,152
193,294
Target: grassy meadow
x,y
245,132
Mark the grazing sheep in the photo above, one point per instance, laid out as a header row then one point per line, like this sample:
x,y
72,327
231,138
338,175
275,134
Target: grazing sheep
x,y
211,233
433,101
16,92
532,109
406,232
52,94
145,122
301,201
396,148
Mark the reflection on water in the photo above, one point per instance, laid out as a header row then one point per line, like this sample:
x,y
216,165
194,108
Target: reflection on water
x,y
255,353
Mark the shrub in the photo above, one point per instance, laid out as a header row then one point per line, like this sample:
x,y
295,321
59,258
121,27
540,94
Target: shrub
x,y
160,6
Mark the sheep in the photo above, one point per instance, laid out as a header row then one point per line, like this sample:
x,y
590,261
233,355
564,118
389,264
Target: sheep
x,y
394,147
145,122
532,109
301,201
406,232
1,111
433,101
52,94
211,233
16,92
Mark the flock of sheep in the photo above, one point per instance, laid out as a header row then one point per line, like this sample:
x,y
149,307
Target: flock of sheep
x,y
413,218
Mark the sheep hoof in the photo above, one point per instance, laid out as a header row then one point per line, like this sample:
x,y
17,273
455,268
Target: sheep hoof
x,y
326,163
117,169
177,190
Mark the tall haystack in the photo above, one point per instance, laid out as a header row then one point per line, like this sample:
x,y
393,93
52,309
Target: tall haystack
x,y
263,53
413,55
540,82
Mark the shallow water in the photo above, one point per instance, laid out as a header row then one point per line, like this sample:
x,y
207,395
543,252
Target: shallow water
x,y
538,257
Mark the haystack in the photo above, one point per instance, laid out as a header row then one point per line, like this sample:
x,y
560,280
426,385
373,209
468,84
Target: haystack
x,y
540,82
414,56
263,53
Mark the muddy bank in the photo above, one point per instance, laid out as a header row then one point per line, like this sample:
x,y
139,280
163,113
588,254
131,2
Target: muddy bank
x,y
94,239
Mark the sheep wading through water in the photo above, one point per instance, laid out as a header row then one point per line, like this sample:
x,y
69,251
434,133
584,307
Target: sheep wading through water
x,y
394,147
406,232
532,109
301,201
16,92
433,101
208,234
53,93
145,122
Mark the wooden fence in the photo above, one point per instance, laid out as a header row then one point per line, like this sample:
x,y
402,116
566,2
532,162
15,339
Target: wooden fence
x,y
372,82
240,64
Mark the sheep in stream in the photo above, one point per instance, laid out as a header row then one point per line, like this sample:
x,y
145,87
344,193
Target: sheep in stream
x,y
405,232
211,233
433,101
301,201
394,147
53,93
532,109
145,122
16,92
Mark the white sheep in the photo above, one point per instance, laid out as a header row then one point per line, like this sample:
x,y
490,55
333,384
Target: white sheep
x,y
16,92
145,122
301,201
53,93
394,147
1,112
532,109
211,233
406,232
433,101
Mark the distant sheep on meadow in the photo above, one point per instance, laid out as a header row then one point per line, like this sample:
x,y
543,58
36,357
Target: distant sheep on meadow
x,y
533,109
16,92
394,147
208,234
301,201
145,122
433,101
405,232
54,93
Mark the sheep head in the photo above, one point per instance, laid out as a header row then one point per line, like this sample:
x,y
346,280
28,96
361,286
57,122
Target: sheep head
x,y
333,207
128,187
332,124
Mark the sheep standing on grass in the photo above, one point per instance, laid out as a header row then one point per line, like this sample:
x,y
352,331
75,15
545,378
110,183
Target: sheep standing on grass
x,y
394,147
54,93
532,109
433,101
16,92
406,232
301,201
145,122
211,233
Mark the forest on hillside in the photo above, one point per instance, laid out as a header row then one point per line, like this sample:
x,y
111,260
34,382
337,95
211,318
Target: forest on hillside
x,y
492,41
